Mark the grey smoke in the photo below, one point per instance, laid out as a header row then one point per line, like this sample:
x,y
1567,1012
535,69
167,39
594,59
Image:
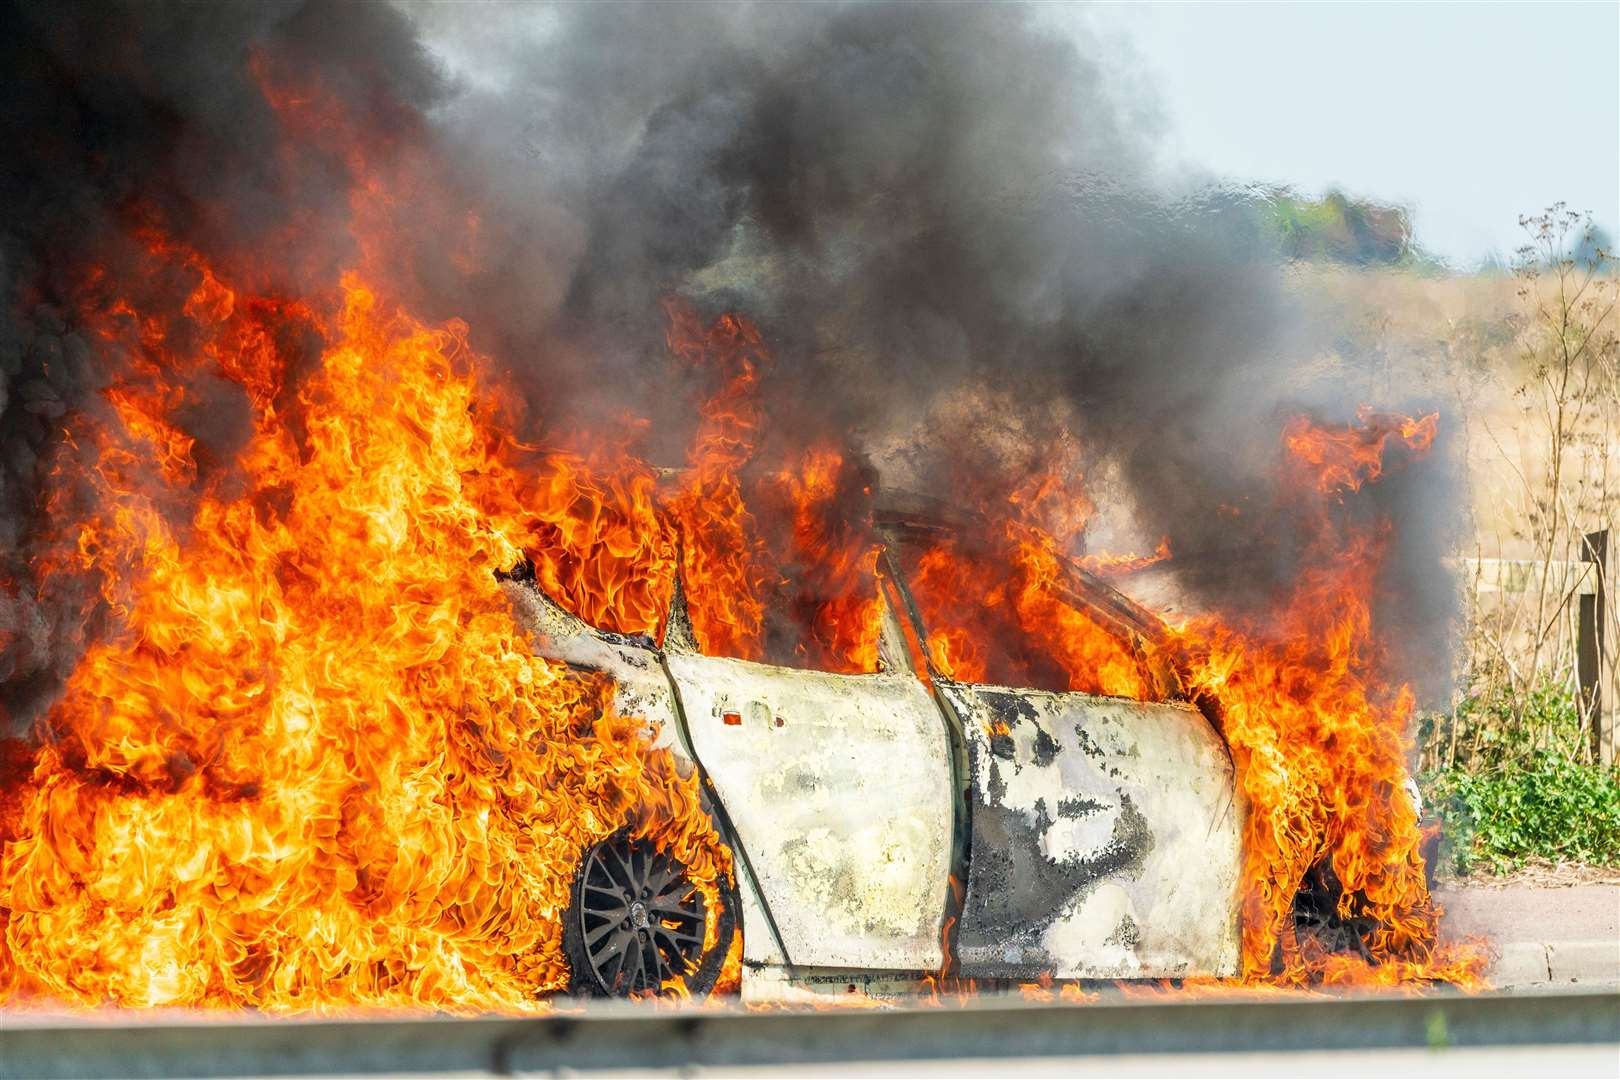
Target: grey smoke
x,y
922,205
917,201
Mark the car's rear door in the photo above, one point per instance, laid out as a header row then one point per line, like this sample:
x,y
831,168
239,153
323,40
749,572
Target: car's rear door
x,y
1103,834
1105,837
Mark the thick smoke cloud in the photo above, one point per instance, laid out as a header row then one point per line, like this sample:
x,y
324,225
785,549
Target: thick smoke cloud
x,y
925,203
944,217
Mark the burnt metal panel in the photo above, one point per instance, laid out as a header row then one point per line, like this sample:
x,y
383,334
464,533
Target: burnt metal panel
x,y
644,689
641,689
838,787
1105,838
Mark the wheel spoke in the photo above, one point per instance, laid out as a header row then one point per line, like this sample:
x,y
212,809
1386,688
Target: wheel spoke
x,y
654,960
675,900
639,972
675,956
617,892
621,960
668,884
678,936
670,957
604,956
626,861
614,913
684,920
640,858
664,871
593,936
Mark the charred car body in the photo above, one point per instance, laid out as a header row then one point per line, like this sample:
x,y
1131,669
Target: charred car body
x,y
891,825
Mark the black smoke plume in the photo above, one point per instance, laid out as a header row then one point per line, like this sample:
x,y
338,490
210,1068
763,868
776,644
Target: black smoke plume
x,y
946,219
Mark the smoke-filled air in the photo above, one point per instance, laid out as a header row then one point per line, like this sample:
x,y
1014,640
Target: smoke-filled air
x,y
327,328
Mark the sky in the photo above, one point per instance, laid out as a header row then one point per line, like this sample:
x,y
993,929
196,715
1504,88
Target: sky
x,y
1470,114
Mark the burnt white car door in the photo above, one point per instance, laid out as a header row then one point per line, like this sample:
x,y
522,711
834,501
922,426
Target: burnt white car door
x,y
1105,837
838,788
1103,834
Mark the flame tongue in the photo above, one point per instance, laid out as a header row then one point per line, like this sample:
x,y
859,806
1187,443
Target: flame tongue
x,y
320,765
795,582
1004,613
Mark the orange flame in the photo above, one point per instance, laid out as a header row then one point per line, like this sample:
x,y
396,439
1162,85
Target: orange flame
x,y
319,765
591,528
722,560
832,592
1109,564
804,568
1321,745
1042,990
1343,457
1005,613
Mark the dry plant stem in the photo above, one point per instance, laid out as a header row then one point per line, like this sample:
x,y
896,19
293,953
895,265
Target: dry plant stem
x,y
1560,352
1562,365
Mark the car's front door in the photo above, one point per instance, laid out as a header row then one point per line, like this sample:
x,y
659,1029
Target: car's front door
x,y
839,790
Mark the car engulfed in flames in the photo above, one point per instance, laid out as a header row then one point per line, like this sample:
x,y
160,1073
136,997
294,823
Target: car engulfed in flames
x,y
894,824
408,695
397,710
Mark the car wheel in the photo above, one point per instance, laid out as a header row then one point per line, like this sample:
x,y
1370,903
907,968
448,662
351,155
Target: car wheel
x,y
636,920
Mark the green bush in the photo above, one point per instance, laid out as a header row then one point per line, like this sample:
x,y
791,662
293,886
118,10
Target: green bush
x,y
1527,793
1553,808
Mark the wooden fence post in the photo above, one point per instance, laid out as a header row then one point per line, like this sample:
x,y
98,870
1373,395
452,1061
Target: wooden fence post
x,y
1590,655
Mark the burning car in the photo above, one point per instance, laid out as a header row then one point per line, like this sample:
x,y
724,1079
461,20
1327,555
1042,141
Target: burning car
x,y
899,823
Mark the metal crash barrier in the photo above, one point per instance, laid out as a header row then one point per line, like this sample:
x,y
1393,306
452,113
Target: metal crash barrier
x,y
621,1036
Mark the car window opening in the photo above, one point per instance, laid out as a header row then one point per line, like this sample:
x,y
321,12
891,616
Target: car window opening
x,y
1002,611
784,572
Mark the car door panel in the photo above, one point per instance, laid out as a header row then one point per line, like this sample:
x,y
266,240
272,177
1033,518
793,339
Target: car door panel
x,y
838,787
1105,838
